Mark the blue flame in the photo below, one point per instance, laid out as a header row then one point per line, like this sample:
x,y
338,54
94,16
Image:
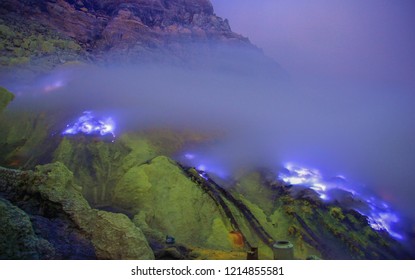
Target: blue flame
x,y
380,216
204,165
90,125
301,176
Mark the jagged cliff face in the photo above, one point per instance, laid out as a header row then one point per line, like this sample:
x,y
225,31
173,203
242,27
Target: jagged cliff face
x,y
122,25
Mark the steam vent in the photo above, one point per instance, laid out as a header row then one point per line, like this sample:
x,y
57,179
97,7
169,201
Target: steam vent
x,y
131,130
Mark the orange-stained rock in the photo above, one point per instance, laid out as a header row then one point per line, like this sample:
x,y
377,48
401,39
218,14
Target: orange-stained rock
x,y
115,24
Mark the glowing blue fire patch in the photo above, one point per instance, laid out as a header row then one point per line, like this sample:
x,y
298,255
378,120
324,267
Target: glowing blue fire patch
x,y
90,125
380,215
204,165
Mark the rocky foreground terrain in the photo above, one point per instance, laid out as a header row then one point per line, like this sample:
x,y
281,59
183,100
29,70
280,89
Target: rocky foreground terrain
x,y
88,197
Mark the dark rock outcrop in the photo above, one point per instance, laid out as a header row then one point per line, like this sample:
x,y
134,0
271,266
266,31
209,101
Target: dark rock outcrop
x,y
18,239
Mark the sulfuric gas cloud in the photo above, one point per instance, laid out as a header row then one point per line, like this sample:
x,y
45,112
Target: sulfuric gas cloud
x,y
364,131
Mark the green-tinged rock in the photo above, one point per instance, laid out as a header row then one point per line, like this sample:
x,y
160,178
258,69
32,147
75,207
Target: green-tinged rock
x,y
217,235
114,236
252,187
64,152
5,31
97,165
141,150
337,213
60,188
151,234
26,139
273,208
28,43
5,98
172,203
47,47
133,189
17,238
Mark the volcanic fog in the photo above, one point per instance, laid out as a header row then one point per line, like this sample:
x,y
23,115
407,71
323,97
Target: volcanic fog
x,y
363,131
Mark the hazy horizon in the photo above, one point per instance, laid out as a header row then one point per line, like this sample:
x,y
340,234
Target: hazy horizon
x,y
364,41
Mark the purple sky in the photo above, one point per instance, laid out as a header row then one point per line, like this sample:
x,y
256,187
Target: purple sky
x,y
370,40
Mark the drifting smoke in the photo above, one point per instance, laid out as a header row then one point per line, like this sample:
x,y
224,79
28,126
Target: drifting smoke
x,y
362,131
